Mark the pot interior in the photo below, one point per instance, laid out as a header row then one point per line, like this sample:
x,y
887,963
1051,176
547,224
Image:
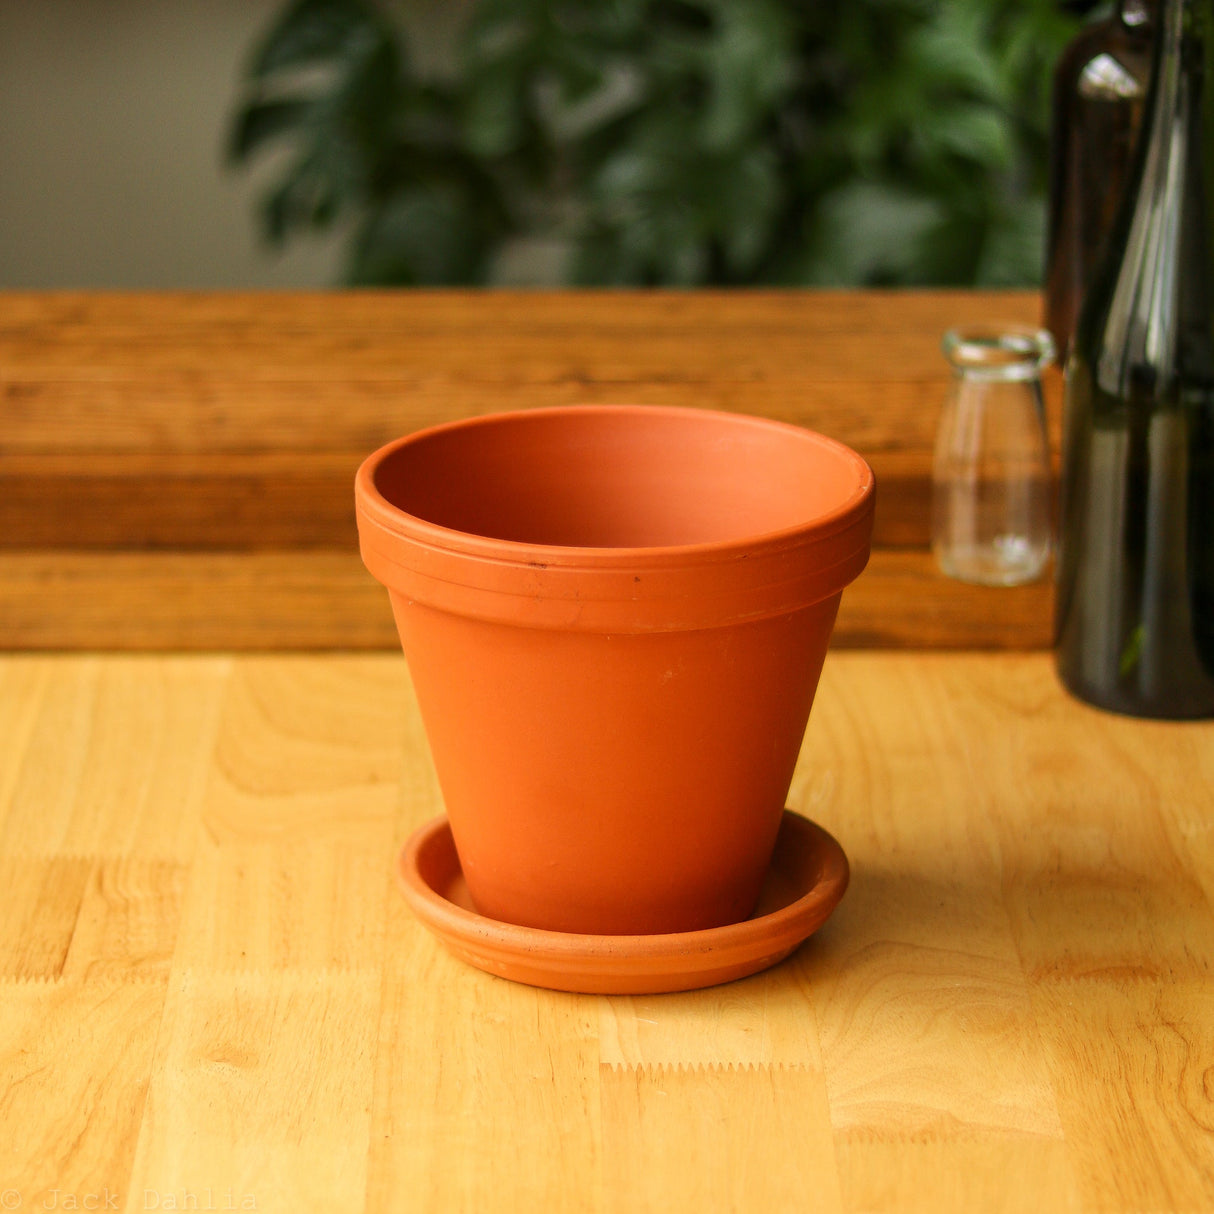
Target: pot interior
x,y
620,477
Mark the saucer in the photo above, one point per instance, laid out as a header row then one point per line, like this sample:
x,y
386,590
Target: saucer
x,y
807,877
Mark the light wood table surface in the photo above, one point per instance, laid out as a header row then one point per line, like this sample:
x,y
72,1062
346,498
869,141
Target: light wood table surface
x,y
211,986
211,994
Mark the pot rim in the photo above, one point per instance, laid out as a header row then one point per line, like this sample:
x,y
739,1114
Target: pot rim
x,y
377,510
620,589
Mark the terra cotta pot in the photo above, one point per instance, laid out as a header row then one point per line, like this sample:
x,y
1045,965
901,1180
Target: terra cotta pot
x,y
615,618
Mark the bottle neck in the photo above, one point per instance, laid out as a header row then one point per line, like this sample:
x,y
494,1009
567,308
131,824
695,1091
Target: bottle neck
x,y
1138,15
1142,316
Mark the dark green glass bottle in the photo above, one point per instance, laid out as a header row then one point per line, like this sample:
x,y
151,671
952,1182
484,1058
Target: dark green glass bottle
x,y
1135,612
1100,84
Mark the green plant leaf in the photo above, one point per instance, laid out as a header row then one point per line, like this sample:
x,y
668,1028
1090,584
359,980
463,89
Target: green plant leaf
x,y
954,52
872,233
305,197
428,234
501,31
262,122
494,113
749,64
313,31
671,142
340,123
972,131
1015,240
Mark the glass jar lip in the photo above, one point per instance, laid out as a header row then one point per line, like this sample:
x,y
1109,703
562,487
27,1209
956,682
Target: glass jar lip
x,y
999,351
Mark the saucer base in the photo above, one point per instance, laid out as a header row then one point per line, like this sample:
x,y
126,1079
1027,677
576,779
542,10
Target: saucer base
x,y
806,880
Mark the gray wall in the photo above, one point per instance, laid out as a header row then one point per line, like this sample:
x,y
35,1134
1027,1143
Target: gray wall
x,y
112,119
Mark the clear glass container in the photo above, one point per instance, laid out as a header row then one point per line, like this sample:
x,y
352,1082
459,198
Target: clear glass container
x,y
991,475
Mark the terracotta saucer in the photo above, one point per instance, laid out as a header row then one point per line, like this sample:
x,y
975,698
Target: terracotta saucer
x,y
807,878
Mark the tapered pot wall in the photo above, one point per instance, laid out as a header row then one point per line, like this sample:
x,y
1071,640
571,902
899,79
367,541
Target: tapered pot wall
x,y
615,619
614,783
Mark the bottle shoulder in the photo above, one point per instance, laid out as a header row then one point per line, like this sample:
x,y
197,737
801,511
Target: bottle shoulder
x,y
1105,59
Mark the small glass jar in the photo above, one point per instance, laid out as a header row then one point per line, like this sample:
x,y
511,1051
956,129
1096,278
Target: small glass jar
x,y
991,475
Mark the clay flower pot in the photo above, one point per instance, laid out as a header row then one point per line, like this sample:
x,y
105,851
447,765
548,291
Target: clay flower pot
x,y
615,619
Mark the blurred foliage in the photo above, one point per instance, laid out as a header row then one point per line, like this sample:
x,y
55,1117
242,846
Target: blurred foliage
x,y
668,141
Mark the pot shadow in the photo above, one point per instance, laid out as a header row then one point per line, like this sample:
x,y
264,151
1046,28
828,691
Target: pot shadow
x,y
1070,918
959,912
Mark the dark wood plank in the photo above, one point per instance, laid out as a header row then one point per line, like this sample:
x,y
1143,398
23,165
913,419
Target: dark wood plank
x,y
176,469
236,421
260,500
131,500
347,372
326,600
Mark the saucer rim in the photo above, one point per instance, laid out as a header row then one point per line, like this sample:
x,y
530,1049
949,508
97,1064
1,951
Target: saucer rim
x,y
773,935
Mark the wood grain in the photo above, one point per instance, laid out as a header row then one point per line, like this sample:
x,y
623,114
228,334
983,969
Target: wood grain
x,y
718,1138
218,987
261,1088
75,1064
340,372
274,499
67,796
172,500
326,600
206,444
126,923
472,1047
